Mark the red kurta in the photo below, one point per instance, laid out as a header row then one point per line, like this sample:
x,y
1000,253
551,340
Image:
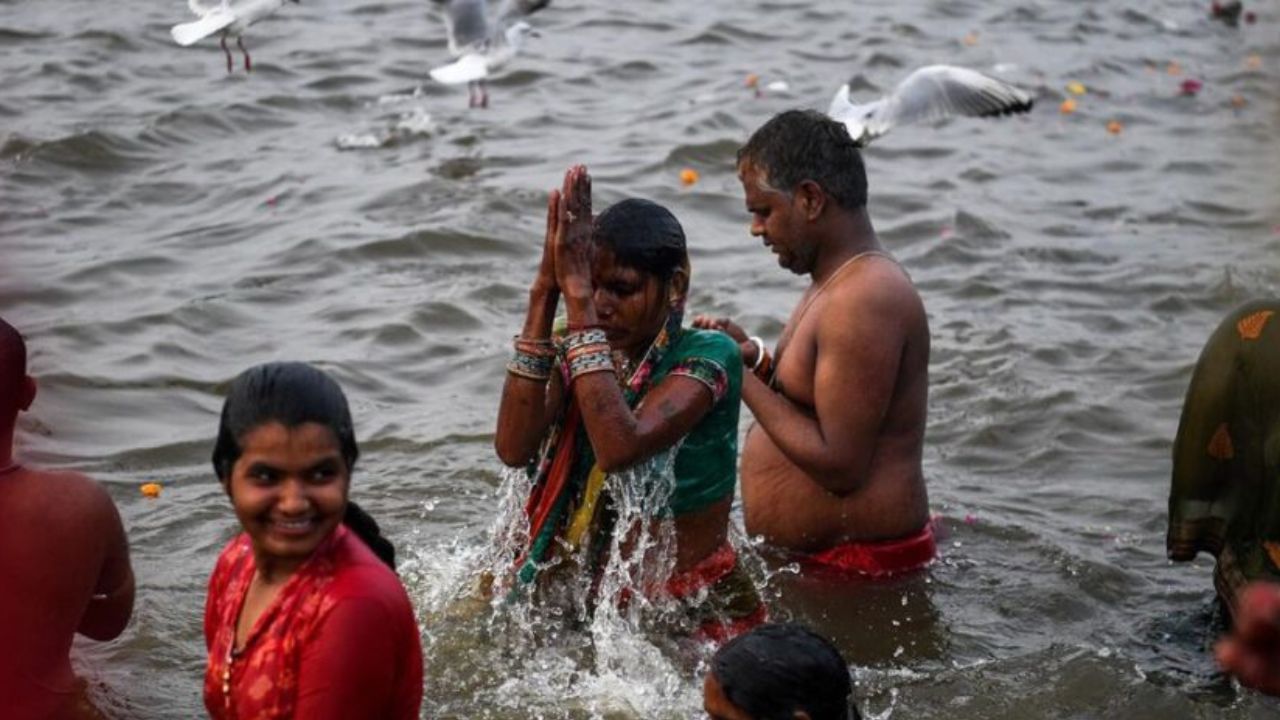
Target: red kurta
x,y
339,641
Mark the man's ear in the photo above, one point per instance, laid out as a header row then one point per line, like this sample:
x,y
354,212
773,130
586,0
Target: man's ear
x,y
812,199
27,394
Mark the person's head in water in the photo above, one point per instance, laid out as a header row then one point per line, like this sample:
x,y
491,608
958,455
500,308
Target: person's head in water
x,y
17,389
794,169
640,272
779,672
285,451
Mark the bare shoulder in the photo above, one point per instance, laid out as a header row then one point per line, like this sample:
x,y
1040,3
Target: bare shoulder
x,y
73,494
879,293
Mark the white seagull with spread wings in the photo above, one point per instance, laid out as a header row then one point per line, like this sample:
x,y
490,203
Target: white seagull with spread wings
x,y
227,17
930,93
481,45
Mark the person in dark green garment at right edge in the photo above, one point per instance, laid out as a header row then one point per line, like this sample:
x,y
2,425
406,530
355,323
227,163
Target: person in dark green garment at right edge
x,y
1225,495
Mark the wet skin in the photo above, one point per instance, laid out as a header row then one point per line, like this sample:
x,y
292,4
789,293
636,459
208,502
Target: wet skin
x,y
631,306
289,491
64,558
835,454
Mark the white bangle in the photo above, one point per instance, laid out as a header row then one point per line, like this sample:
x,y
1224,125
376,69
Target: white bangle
x,y
755,340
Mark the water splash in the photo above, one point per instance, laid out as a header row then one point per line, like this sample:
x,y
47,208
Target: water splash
x,y
574,644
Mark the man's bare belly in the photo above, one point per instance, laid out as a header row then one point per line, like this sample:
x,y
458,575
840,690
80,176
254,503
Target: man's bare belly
x,y
783,504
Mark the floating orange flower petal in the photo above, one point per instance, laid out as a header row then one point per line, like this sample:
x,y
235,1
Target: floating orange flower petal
x,y
151,490
1067,107
753,81
688,176
1253,62
1220,445
971,39
1238,101
1115,127
1250,328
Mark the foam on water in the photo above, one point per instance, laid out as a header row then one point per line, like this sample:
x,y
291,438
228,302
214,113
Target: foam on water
x,y
599,646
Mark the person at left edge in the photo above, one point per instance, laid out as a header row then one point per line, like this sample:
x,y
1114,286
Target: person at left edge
x,y
305,616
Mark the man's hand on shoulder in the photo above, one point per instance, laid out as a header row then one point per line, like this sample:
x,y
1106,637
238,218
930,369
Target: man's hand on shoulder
x,y
728,327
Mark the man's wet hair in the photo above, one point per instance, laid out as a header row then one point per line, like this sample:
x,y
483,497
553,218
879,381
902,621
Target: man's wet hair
x,y
779,668
293,394
799,145
644,236
13,363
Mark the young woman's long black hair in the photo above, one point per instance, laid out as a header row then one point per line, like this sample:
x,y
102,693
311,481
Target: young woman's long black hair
x,y
293,393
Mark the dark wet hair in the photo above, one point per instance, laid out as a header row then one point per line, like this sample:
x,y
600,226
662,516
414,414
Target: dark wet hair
x,y
643,235
799,145
292,394
13,363
779,668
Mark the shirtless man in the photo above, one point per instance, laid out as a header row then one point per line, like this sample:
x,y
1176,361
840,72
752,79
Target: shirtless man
x,y
64,564
831,469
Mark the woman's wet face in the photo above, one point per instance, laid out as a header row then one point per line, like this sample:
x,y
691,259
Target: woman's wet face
x,y
289,488
632,304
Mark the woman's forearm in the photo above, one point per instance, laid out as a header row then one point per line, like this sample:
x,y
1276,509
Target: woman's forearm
x,y
524,412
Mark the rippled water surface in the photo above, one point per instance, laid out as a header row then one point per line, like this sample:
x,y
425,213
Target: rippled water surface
x,y
163,225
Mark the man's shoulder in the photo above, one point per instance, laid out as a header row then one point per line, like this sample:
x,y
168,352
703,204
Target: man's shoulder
x,y
71,489
882,285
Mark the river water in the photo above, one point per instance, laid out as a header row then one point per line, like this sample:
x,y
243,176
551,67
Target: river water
x,y
164,225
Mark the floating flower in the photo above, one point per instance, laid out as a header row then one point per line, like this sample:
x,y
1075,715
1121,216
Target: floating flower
x,y
1115,127
1076,88
151,490
688,176
1238,101
1250,17
1067,107
1173,69
1190,86
753,81
1253,62
970,40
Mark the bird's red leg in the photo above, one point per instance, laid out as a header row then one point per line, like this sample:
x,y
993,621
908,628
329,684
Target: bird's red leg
x,y
248,64
227,51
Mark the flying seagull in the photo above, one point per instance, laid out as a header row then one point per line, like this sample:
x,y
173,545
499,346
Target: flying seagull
x,y
930,93
480,44
229,18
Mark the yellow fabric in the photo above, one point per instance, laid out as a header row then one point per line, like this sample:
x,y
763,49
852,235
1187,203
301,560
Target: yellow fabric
x,y
582,517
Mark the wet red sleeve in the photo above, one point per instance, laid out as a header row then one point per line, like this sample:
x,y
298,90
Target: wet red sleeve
x,y
349,669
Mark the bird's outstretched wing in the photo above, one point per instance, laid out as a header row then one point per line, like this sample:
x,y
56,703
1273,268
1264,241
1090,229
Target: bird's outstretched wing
x,y
201,8
213,21
467,24
930,93
519,8
468,68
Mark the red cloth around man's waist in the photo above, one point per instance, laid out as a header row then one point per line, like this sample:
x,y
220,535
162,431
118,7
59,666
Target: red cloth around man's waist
x,y
878,559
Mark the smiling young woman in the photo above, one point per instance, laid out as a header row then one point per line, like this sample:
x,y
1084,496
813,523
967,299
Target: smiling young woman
x,y
305,616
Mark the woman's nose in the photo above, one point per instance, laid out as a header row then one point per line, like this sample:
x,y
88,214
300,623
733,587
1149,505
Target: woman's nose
x,y
293,497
